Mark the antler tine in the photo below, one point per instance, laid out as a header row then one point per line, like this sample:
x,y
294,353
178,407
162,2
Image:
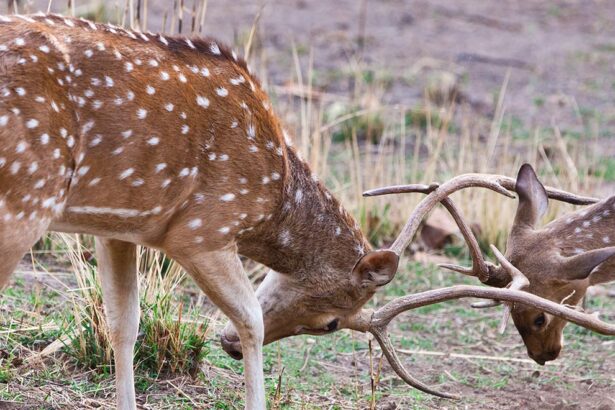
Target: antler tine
x,y
457,268
486,304
519,281
479,266
554,193
376,322
381,335
506,182
401,189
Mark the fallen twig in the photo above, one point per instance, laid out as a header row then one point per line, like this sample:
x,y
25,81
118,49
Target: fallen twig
x,y
470,356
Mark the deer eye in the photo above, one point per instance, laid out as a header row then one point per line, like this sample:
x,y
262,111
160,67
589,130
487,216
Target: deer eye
x,y
540,320
332,325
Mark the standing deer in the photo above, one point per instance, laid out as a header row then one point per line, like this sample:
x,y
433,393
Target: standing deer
x,y
170,143
557,262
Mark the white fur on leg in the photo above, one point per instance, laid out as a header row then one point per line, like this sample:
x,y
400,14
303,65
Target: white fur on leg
x,y
124,377
221,276
118,274
251,337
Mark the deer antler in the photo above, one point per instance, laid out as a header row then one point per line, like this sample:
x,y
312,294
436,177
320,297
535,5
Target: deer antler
x,y
505,182
438,192
518,282
376,322
487,272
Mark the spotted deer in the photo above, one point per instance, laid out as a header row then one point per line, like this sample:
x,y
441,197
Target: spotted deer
x,y
557,262
170,143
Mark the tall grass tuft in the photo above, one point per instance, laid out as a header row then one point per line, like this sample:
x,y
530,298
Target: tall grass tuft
x,y
172,340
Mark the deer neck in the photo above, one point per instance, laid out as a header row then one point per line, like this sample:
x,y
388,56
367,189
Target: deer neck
x,y
310,232
586,229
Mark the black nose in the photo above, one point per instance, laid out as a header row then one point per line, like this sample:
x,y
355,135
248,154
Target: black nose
x,y
545,356
231,348
235,354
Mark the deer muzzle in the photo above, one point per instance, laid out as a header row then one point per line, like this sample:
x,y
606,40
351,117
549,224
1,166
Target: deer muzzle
x,y
542,357
231,345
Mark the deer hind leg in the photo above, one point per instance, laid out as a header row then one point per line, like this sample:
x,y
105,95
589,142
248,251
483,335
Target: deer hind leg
x,y
117,263
221,276
16,237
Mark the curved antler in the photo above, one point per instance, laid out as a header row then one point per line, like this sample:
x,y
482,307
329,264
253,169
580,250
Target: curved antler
x,y
376,322
506,182
519,282
487,272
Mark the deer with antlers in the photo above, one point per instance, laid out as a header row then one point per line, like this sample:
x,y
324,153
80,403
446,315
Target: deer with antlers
x,y
557,262
170,143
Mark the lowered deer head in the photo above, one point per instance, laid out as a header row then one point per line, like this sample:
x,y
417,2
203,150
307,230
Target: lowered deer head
x,y
557,262
560,260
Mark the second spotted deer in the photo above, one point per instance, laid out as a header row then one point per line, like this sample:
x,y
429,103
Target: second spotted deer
x,y
557,262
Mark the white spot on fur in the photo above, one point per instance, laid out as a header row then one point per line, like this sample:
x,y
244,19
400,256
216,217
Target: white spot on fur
x,y
202,101
285,237
298,196
195,223
128,172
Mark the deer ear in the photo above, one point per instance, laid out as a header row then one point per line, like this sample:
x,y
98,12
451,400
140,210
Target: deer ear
x,y
581,266
376,268
533,199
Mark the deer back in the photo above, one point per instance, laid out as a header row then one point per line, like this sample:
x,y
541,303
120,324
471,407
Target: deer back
x,y
135,132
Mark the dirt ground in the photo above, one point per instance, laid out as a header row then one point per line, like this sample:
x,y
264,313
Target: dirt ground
x,y
559,54
449,346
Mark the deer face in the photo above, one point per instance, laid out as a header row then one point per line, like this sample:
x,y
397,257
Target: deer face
x,y
555,261
542,333
292,307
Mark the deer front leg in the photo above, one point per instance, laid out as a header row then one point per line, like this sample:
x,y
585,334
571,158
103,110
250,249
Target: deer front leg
x,y
117,262
221,276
